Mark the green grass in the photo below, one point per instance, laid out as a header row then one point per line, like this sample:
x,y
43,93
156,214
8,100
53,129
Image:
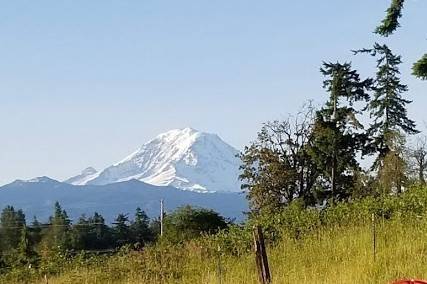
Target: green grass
x,y
333,255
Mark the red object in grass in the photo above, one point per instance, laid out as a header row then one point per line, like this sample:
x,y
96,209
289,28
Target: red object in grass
x,y
412,281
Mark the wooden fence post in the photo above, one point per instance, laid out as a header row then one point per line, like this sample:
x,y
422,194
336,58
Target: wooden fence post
x,y
261,256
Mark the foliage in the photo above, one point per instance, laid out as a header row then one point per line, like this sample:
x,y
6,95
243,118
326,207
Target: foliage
x,y
390,121
391,22
276,167
12,223
187,223
26,254
58,237
27,251
336,136
140,228
420,68
388,108
121,230
417,160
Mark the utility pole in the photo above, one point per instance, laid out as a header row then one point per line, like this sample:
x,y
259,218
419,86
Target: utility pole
x,y
161,216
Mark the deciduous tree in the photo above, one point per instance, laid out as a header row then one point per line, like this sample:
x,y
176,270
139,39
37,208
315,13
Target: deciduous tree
x,y
276,167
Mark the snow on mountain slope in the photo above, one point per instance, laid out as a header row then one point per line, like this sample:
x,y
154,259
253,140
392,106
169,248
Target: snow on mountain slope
x,y
81,179
183,158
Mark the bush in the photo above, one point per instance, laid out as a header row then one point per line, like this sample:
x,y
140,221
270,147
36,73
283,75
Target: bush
x,y
188,223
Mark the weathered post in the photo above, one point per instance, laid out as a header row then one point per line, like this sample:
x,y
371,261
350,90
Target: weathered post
x,y
261,258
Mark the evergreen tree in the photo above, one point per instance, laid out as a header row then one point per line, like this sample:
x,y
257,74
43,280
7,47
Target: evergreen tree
x,y
11,222
36,231
387,107
121,230
141,233
336,135
100,233
58,236
26,254
91,233
80,234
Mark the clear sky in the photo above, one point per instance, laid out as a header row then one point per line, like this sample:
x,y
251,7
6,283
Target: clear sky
x,y
84,83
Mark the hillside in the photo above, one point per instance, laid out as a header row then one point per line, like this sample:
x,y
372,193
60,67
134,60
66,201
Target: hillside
x,y
37,197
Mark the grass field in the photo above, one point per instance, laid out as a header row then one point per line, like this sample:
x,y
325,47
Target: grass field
x,y
333,255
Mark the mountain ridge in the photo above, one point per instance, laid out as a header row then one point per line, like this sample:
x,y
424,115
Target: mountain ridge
x,y
36,198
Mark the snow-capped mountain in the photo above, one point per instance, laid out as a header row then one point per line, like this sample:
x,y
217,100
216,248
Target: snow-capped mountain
x,y
182,158
81,179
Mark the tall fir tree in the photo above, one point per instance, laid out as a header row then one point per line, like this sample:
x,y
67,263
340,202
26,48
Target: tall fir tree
x,y
388,109
336,135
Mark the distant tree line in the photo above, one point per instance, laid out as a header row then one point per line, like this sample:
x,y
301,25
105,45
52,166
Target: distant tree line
x,y
38,244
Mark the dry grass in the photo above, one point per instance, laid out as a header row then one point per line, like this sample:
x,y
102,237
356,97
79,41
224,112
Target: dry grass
x,y
335,255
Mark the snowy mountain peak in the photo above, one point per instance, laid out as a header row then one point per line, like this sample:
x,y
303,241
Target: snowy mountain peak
x,y
184,158
188,131
81,179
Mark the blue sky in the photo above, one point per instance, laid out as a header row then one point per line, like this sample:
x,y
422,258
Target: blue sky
x,y
84,83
